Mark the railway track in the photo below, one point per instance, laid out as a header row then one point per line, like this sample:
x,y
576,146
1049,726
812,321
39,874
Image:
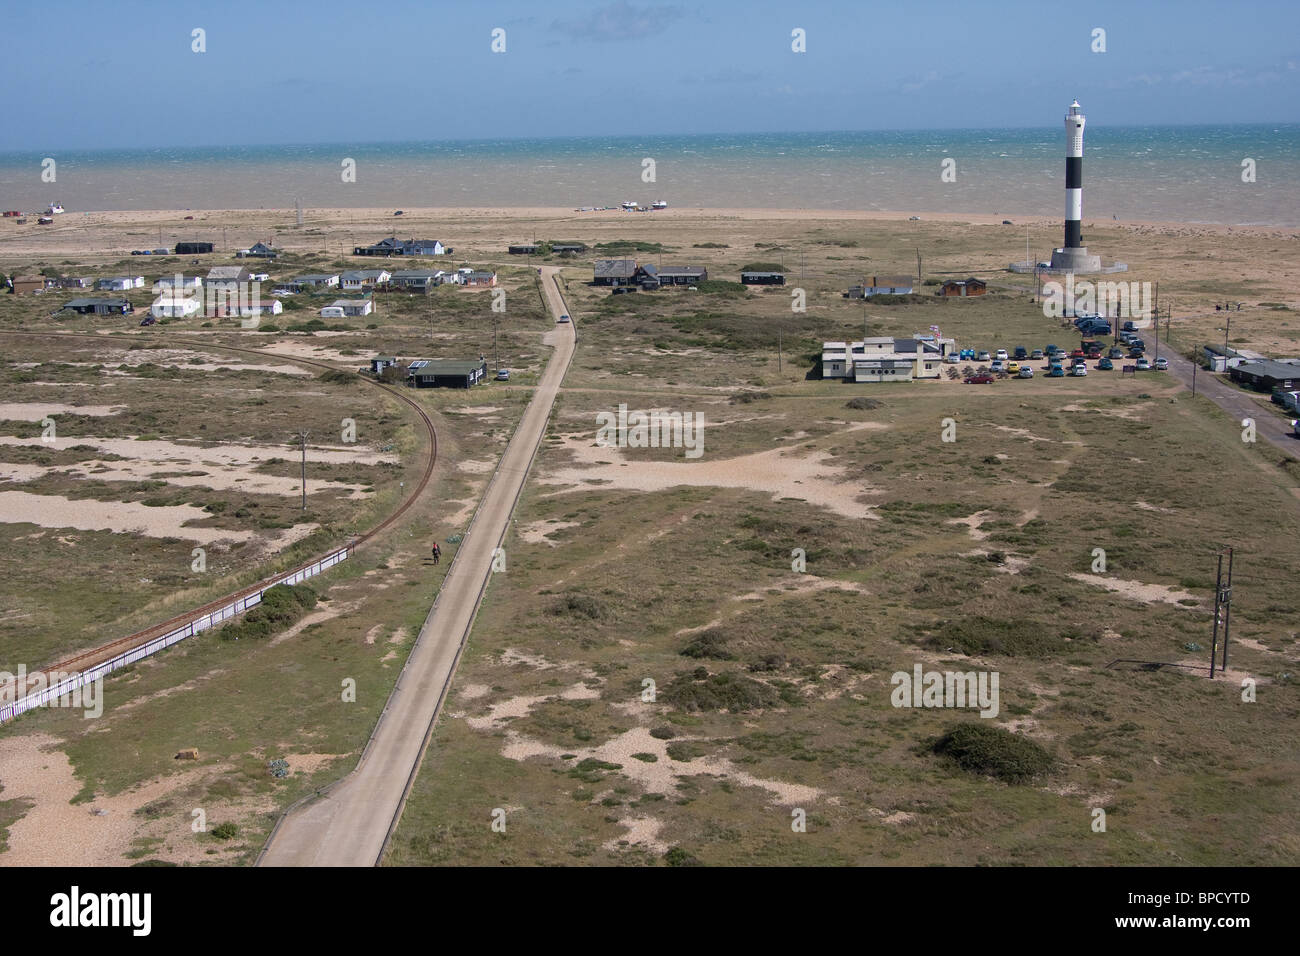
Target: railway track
x,y
112,648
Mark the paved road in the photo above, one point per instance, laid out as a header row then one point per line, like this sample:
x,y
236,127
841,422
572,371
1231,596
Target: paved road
x,y
349,825
1236,403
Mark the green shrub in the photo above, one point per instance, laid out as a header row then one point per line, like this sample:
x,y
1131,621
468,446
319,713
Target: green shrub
x,y
732,692
991,751
225,831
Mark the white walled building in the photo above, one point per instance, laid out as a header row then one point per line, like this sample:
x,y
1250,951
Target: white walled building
x,y
886,359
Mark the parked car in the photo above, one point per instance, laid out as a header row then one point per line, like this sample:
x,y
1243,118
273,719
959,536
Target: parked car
x,y
983,356
996,366
1052,350
1135,352
162,252
1079,370
1001,355
1020,353
981,379
1013,368
148,320
1105,365
1078,354
1036,354
1056,372
1025,372
1116,353
1143,365
1162,365
503,375
951,358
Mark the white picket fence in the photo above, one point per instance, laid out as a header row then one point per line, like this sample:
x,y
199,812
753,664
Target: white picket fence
x,y
191,627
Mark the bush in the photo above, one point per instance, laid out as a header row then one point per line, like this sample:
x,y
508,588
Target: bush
x,y
225,831
280,606
732,692
991,751
337,377
578,605
679,857
745,398
711,644
862,404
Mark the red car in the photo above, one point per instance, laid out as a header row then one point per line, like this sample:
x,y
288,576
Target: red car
x,y
1078,353
980,380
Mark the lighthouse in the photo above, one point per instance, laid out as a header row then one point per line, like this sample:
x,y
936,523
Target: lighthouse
x,y
1073,255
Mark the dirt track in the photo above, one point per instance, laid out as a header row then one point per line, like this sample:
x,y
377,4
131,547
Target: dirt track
x,y
349,825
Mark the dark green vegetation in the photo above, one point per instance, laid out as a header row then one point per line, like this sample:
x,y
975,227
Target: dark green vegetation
x,y
988,750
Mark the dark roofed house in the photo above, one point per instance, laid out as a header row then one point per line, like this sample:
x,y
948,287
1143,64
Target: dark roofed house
x,y
1267,375
763,278
193,248
260,250
442,373
525,249
424,247
568,248
226,277
392,246
682,275
614,272
99,307
882,285
416,280
74,282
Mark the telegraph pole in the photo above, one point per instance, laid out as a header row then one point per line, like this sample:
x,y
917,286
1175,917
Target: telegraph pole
x,y
302,437
1222,610
778,353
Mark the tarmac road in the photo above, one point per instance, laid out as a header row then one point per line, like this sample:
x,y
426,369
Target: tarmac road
x,y
349,825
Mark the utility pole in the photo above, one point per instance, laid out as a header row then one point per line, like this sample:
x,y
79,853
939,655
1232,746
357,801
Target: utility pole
x,y
1226,329
302,440
1195,366
778,353
919,278
496,351
1222,610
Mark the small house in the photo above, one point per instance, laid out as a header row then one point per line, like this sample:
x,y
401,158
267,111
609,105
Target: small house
x,y
363,279
525,249
381,362
174,306
682,275
480,278
963,287
424,247
614,272
568,248
260,250
178,283
442,373
228,278
74,282
763,278
316,281
352,307
882,285
24,285
269,307
416,280
193,248
99,307
1267,375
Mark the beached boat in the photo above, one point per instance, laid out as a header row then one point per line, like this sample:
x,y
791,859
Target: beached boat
x,y
659,204
629,206
54,209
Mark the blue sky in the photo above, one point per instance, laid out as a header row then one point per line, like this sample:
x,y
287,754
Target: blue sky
x,y
98,74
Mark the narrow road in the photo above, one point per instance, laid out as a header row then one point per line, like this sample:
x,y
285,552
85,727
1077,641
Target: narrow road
x,y
1236,403
349,825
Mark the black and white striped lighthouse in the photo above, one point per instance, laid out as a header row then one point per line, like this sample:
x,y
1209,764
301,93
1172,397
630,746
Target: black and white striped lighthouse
x,y
1073,256
1074,121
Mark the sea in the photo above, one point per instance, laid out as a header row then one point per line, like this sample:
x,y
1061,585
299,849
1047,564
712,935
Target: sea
x,y
1233,174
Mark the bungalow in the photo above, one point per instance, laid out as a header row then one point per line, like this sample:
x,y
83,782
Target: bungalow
x,y
171,306
525,249
762,278
315,281
269,307
1268,375
682,275
99,307
177,283
441,373
1220,359
424,247
260,250
393,246
881,285
886,359
193,248
416,280
963,287
455,277
25,284
568,248
381,362
353,307
362,279
119,283
74,282
477,277
614,272
227,277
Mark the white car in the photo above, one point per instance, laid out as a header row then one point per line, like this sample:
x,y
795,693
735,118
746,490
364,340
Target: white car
x,y
1001,355
259,277
1079,370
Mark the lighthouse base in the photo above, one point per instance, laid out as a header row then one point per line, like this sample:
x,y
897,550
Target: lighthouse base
x,y
1075,259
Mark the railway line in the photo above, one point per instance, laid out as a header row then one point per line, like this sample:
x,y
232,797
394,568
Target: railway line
x,y
94,655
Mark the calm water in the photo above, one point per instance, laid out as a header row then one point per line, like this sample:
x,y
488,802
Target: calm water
x,y
1187,173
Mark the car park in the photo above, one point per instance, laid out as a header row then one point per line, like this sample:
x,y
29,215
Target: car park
x,y
1025,372
1105,365
1056,372
981,379
1162,365
1143,365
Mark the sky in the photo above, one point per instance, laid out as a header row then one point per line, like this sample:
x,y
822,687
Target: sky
x,y
89,74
